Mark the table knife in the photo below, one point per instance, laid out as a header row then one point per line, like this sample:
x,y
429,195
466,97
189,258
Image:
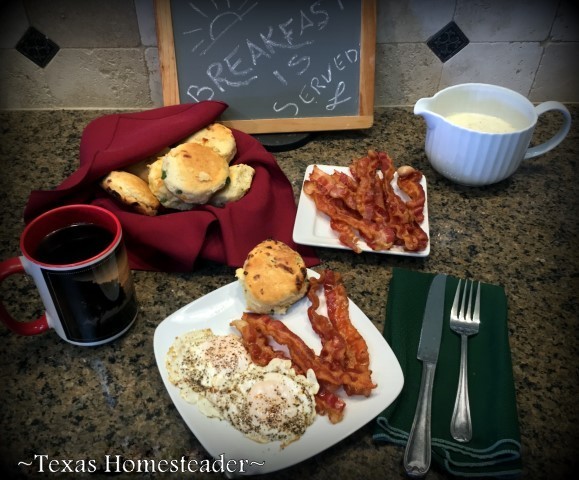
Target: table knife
x,y
418,452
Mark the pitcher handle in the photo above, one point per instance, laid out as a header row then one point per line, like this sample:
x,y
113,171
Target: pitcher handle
x,y
559,136
9,267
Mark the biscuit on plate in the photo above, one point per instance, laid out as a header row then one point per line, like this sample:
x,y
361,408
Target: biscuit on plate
x,y
193,172
240,178
273,277
157,186
131,190
218,137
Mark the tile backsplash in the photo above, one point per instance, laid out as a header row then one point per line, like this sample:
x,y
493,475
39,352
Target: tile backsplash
x,y
107,51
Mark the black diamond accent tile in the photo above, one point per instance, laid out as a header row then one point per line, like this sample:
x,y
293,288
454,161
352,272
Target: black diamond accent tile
x,y
447,42
37,47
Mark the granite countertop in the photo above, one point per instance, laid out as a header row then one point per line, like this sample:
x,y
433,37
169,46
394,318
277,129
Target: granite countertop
x,y
76,403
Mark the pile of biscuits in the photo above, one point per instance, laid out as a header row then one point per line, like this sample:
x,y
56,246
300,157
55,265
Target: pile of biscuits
x,y
195,172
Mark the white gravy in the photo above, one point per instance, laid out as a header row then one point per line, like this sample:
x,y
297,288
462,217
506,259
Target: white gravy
x,y
481,122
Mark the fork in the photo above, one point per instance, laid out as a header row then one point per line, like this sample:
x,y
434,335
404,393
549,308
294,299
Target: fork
x,y
465,321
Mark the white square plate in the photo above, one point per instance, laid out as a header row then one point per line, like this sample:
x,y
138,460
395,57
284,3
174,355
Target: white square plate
x,y
313,228
216,310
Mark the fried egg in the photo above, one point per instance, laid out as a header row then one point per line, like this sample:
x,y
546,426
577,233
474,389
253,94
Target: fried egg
x,y
270,403
199,361
267,404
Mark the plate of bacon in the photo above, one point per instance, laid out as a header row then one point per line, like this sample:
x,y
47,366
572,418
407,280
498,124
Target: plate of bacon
x,y
368,206
339,411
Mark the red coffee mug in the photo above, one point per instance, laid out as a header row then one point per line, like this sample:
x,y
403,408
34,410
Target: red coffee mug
x,y
77,259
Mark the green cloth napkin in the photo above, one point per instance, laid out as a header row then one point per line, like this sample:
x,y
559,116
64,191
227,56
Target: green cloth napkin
x,y
495,448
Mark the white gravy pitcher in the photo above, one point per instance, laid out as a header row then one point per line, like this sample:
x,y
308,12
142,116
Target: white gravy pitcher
x,y
478,134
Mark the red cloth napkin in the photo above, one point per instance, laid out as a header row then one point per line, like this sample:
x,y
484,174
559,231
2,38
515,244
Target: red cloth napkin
x,y
174,241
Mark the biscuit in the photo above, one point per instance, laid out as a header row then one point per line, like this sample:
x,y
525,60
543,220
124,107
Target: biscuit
x,y
273,277
157,186
141,169
240,178
131,190
194,172
218,137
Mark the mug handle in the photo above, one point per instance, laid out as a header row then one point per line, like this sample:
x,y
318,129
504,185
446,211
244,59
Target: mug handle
x,y
558,137
9,267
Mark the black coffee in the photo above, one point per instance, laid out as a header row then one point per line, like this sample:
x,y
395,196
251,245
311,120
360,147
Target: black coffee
x,y
73,243
95,302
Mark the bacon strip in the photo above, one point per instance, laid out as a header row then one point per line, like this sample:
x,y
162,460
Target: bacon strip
x,y
357,358
333,344
346,234
330,404
302,355
409,182
337,185
256,344
376,238
365,169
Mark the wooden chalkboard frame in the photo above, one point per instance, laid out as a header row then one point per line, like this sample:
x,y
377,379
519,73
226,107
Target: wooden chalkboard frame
x,y
363,119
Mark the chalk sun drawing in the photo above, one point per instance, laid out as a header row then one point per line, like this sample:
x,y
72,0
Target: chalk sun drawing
x,y
219,17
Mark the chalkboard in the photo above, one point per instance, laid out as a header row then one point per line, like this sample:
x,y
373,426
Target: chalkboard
x,y
281,66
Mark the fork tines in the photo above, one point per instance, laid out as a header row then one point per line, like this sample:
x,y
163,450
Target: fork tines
x,y
460,308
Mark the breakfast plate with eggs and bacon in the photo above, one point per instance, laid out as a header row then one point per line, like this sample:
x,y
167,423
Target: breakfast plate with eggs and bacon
x,y
244,399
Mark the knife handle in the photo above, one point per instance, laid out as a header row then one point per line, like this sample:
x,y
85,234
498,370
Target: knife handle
x,y
417,453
